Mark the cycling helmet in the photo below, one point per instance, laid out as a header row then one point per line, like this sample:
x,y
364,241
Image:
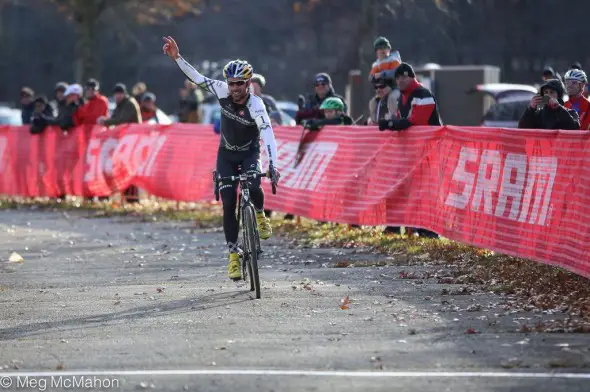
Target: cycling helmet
x,y
238,69
577,75
332,103
259,79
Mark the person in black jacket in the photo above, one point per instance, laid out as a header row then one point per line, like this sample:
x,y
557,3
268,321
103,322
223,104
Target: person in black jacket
x,y
323,90
42,115
416,104
549,112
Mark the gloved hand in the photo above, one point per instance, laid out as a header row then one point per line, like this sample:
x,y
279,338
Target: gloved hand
x,y
274,174
384,124
393,125
312,125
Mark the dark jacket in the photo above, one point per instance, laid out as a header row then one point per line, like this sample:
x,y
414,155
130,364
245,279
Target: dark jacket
x,y
311,109
416,106
270,103
68,117
27,112
550,118
58,106
127,111
317,123
40,120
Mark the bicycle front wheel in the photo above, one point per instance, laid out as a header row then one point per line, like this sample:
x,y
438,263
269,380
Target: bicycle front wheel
x,y
249,222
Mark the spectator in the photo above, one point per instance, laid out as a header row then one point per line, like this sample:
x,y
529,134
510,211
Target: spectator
x,y
416,104
578,66
333,109
311,107
575,83
42,115
97,105
190,99
384,104
547,110
27,105
138,90
127,110
549,73
149,111
70,116
59,103
386,62
258,82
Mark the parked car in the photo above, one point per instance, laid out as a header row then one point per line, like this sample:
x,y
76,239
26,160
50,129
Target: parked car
x,y
10,116
288,107
510,101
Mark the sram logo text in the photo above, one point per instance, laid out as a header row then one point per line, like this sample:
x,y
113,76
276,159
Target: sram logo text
x,y
514,186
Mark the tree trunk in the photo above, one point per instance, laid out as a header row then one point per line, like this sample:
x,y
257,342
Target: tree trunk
x,y
86,18
367,32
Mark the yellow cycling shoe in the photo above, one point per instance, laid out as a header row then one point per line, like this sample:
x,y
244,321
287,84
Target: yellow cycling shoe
x,y
264,227
233,268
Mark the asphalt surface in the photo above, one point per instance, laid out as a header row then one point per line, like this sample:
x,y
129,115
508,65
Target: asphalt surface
x,y
118,294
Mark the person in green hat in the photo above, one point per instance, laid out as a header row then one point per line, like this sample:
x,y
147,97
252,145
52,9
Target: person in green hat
x,y
386,62
333,109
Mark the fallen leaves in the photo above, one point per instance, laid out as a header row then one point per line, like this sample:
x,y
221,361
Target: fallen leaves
x,y
344,303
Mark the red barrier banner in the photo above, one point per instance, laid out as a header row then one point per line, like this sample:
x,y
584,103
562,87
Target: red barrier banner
x,y
520,192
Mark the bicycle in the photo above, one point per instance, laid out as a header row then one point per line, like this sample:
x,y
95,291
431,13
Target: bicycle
x,y
251,249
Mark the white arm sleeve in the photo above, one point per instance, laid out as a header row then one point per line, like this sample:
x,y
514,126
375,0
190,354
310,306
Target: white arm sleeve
x,y
215,87
258,113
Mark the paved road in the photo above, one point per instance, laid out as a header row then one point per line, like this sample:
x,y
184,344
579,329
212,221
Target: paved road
x,y
118,294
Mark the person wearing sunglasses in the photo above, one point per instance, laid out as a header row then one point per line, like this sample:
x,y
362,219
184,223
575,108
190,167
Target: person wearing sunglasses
x,y
311,107
243,120
384,104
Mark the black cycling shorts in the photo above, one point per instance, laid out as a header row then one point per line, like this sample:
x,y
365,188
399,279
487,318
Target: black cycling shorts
x,y
228,163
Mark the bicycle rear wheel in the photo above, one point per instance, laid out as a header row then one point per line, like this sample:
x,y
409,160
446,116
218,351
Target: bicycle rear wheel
x,y
249,221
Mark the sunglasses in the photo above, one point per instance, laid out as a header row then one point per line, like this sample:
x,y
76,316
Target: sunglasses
x,y
238,83
379,87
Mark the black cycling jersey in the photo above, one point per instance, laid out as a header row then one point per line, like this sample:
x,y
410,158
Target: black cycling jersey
x,y
241,125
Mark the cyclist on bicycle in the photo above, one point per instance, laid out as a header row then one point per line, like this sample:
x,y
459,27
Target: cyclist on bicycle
x,y
243,120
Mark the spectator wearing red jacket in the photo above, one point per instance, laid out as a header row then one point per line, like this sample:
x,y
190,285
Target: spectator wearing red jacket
x,y
97,105
416,104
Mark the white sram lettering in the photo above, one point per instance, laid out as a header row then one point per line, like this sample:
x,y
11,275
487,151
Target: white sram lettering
x,y
516,182
92,159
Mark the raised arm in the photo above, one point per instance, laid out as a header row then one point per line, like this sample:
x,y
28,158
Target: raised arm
x,y
215,87
259,114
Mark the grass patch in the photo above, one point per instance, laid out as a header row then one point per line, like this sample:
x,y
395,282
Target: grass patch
x,y
203,214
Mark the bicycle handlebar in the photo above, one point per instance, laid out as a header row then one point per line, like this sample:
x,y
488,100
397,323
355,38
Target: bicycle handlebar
x,y
240,177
